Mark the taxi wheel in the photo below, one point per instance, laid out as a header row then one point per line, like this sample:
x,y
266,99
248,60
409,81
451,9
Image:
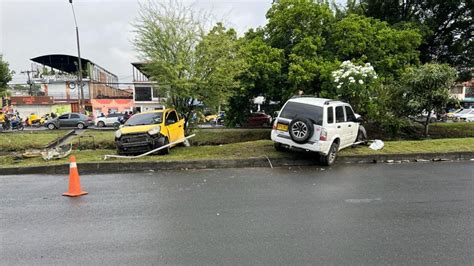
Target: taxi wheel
x,y
165,150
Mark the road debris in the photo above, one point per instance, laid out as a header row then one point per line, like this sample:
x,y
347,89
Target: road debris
x,y
377,145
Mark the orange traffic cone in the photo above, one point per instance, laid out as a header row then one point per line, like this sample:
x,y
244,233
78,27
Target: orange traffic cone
x,y
74,182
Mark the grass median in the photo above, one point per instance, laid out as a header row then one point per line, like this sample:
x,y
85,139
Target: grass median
x,y
256,149
19,141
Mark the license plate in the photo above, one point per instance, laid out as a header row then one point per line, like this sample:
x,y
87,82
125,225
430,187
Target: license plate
x,y
282,127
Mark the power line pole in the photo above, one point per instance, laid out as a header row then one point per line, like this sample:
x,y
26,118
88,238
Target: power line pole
x,y
29,82
81,98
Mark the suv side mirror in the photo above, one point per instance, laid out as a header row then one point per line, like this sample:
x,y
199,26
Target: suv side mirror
x,y
358,118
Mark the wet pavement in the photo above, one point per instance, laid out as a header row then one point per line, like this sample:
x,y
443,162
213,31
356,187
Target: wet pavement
x,y
347,214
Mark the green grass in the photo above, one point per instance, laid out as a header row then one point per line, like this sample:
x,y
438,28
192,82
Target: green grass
x,y
17,141
417,146
230,151
255,149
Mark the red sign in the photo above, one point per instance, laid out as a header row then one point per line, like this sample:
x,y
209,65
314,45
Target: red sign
x,y
31,100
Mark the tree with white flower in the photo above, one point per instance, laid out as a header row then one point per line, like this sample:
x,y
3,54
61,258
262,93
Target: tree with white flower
x,y
355,84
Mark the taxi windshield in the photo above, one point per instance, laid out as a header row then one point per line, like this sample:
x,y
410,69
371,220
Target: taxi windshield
x,y
144,119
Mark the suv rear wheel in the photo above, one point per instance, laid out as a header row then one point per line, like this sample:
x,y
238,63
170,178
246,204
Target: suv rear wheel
x,y
301,129
330,158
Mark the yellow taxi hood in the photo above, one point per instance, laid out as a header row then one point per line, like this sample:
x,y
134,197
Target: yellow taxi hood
x,y
137,129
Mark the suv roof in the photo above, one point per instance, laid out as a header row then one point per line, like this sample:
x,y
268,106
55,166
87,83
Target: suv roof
x,y
314,100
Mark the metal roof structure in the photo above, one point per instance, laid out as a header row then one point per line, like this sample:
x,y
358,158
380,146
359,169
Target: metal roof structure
x,y
63,62
140,66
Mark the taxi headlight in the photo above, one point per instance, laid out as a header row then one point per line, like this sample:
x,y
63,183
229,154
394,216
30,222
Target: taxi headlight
x,y
118,134
154,130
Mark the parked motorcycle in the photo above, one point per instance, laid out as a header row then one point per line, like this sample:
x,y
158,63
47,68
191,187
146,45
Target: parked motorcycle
x,y
37,122
13,124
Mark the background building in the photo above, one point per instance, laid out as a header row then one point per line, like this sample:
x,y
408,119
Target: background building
x,y
60,82
146,94
464,92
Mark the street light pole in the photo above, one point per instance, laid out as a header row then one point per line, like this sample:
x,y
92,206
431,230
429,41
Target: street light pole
x,y
81,98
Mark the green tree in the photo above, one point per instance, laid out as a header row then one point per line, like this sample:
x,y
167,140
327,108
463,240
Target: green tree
x,y
301,29
5,75
188,64
166,37
261,76
426,89
218,65
446,26
308,70
366,39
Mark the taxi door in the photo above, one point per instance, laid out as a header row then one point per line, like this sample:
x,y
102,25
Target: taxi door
x,y
174,126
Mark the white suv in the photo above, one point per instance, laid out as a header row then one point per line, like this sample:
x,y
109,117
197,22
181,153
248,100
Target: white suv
x,y
315,124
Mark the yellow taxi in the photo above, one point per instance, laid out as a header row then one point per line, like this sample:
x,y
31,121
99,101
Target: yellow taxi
x,y
149,130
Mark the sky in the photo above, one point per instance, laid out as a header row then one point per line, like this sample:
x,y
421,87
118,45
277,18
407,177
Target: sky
x,y
30,28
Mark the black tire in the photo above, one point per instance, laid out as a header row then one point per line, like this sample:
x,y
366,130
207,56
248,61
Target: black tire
x,y
432,120
165,150
51,126
100,124
21,127
330,158
81,126
301,129
279,147
116,125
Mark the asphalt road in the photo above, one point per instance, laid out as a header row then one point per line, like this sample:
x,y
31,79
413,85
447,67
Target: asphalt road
x,y
417,214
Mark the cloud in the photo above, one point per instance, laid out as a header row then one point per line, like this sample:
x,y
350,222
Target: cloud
x,y
31,28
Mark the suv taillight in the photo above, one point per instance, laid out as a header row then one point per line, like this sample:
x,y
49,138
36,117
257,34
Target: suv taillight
x,y
324,134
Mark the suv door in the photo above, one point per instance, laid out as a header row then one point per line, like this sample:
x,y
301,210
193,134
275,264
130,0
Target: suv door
x,y
342,126
354,127
63,120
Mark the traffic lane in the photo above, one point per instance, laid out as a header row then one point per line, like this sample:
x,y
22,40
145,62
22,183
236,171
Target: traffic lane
x,y
347,214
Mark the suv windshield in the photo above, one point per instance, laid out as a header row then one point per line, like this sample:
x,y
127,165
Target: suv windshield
x,y
312,112
144,119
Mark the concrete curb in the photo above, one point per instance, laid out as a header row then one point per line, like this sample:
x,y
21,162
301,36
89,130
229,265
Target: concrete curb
x,y
121,167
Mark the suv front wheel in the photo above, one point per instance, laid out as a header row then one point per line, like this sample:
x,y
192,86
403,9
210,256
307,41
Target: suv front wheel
x,y
330,158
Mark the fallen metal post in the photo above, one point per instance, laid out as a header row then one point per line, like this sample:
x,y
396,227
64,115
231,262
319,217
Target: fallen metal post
x,y
149,152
